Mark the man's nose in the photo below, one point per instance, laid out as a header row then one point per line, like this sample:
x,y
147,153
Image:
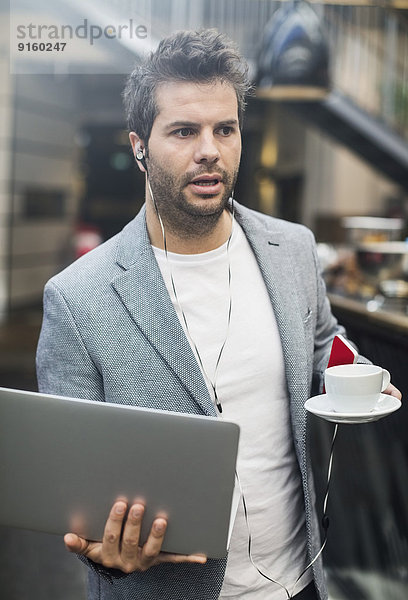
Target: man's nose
x,y
206,148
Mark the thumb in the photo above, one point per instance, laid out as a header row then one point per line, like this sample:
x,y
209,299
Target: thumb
x,y
75,544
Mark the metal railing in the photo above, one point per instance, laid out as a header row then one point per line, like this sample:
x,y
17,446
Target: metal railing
x,y
368,40
369,49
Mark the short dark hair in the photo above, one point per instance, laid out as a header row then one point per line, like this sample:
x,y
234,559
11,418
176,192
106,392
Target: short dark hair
x,y
197,56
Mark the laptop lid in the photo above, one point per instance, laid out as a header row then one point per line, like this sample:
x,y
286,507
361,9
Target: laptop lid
x,y
64,461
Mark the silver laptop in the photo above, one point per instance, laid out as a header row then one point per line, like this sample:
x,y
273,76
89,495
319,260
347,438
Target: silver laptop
x,y
64,461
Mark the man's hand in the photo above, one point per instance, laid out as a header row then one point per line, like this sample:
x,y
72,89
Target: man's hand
x,y
393,391
120,547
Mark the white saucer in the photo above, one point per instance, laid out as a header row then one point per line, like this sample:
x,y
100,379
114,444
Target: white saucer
x,y
320,406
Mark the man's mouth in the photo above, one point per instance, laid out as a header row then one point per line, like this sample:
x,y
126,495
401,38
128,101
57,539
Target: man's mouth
x,y
210,184
204,182
208,179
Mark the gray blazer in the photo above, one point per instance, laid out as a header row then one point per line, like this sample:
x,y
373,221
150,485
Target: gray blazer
x,y
110,333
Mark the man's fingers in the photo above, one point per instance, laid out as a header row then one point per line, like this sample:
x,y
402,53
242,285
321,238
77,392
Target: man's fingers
x,y
131,533
182,558
120,547
152,547
393,391
76,544
112,533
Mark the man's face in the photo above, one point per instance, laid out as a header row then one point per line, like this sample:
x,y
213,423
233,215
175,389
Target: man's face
x,y
194,153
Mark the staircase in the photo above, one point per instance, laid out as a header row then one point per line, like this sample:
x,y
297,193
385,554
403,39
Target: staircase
x,y
367,109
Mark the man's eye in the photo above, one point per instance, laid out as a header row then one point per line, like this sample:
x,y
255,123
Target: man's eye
x,y
225,131
183,132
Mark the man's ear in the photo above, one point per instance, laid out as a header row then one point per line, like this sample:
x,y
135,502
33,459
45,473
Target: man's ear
x,y
137,146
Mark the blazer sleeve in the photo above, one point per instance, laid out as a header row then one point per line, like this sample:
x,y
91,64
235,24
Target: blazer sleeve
x,y
327,327
64,366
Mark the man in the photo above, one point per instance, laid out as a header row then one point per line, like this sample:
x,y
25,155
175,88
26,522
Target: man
x,y
199,305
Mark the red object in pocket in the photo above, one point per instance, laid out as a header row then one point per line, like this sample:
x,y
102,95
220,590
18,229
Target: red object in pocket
x,y
342,353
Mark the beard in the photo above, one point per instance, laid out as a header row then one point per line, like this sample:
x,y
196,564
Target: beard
x,y
183,217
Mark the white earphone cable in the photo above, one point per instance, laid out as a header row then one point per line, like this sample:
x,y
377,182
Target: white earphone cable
x,y
213,381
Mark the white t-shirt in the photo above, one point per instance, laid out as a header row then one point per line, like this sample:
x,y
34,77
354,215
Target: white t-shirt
x,y
251,387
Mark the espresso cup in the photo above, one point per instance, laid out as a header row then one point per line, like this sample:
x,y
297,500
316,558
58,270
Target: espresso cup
x,y
355,388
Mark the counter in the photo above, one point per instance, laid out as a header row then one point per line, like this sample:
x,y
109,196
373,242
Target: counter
x,y
381,336
390,320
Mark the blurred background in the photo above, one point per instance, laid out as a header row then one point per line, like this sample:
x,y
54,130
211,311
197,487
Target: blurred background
x,y
325,143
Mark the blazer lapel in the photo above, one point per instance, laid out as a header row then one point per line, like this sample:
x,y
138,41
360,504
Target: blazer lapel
x,y
144,294
276,262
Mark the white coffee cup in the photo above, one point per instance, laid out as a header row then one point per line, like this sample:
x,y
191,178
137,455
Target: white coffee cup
x,y
355,388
